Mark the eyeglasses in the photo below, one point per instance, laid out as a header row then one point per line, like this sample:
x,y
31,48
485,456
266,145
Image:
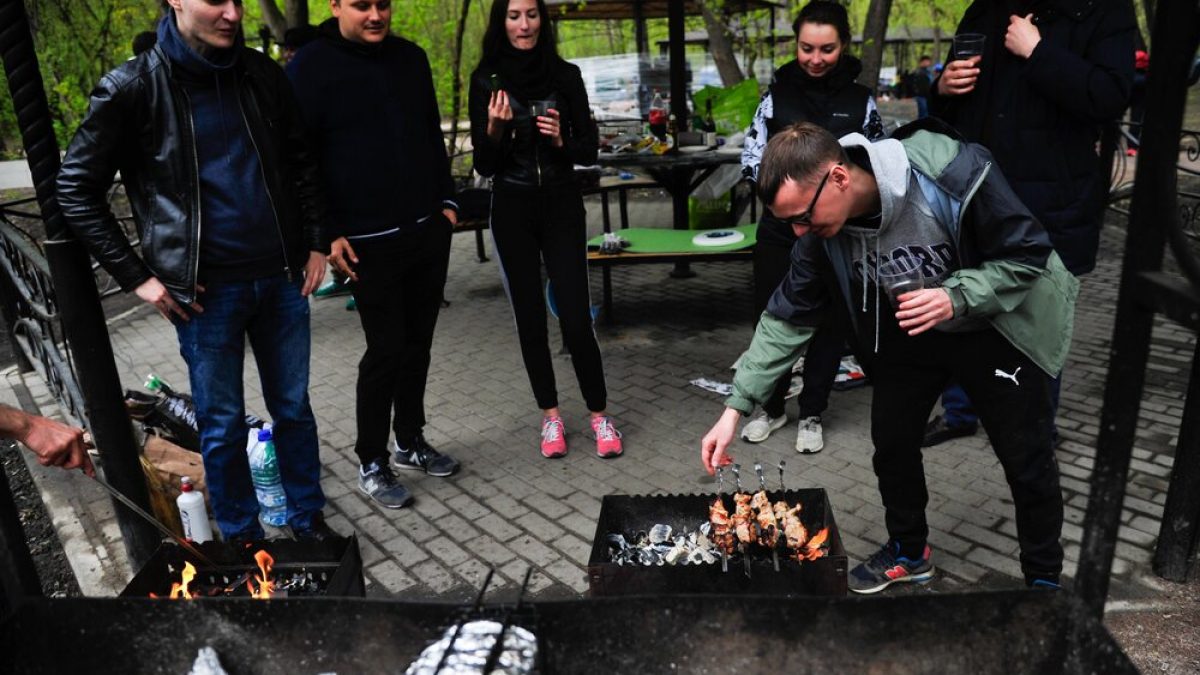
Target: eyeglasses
x,y
805,219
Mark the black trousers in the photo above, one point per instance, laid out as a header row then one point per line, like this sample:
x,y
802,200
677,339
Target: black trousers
x,y
398,295
1012,397
824,355
548,226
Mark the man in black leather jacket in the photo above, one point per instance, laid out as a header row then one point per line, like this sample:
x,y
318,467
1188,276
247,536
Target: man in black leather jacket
x,y
223,189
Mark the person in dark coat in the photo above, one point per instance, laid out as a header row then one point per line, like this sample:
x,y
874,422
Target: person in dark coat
x,y
1052,73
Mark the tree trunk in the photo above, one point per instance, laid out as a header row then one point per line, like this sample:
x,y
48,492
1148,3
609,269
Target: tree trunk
x,y
456,68
872,49
719,43
296,12
273,18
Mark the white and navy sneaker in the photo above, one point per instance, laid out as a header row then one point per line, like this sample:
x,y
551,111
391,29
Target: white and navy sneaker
x,y
887,567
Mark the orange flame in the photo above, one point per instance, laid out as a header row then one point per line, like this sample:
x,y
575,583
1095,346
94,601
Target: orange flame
x,y
812,550
265,584
180,590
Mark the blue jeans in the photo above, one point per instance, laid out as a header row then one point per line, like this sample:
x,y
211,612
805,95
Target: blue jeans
x,y
273,314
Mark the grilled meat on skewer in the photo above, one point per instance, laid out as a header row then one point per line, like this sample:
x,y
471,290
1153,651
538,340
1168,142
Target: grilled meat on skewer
x,y
793,529
743,519
768,526
722,530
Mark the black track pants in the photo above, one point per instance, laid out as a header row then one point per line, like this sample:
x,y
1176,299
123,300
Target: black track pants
x,y
1012,397
398,295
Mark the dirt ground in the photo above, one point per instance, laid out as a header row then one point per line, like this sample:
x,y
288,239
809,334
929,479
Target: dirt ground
x,y
1164,638
58,580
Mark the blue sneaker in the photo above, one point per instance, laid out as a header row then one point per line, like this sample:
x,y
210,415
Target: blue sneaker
x,y
886,567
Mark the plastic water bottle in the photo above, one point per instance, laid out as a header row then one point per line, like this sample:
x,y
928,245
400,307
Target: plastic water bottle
x,y
192,513
268,486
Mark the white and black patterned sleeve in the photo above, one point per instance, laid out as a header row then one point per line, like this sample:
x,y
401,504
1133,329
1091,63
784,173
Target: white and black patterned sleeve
x,y
756,137
873,124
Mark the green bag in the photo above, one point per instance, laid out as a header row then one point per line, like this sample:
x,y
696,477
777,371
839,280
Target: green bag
x,y
732,107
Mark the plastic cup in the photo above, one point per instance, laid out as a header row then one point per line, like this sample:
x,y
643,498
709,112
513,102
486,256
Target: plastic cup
x,y
900,276
967,45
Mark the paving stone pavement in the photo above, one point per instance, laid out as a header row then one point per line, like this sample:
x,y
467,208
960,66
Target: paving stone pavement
x,y
510,509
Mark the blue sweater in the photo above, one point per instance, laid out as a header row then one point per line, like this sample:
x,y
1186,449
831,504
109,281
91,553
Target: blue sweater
x,y
373,115
239,237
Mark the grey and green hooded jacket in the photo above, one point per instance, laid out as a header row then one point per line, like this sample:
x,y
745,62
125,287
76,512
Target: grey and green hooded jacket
x,y
945,206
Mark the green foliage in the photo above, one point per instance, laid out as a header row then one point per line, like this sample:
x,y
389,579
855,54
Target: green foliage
x,y
76,44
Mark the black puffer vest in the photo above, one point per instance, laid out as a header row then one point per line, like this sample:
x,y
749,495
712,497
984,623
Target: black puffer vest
x,y
834,102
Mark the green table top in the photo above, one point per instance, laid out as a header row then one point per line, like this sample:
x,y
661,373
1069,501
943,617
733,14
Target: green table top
x,y
662,240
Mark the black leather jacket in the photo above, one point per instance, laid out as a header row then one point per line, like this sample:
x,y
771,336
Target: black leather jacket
x,y
139,123
520,160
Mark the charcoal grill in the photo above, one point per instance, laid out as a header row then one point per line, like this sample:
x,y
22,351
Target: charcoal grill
x,y
980,633
335,565
625,514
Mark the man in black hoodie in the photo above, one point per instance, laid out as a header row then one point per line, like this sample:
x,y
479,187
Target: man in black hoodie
x,y
224,193
368,100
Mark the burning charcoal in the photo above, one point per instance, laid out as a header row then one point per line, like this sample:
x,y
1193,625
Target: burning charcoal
x,y
660,533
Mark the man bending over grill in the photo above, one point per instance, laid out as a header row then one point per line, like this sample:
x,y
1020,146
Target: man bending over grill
x,y
995,312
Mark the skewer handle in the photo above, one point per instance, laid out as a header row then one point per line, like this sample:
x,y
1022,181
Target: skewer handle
x,y
781,486
762,481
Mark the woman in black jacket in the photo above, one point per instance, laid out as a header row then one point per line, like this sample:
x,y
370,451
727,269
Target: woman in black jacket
x,y
537,209
818,87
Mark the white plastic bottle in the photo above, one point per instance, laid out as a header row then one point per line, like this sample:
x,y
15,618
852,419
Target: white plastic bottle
x,y
268,486
192,512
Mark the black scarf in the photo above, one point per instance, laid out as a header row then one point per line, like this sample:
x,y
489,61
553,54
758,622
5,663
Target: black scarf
x,y
527,73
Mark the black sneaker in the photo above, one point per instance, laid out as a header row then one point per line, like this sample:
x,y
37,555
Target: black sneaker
x,y
317,530
937,431
886,568
420,456
379,483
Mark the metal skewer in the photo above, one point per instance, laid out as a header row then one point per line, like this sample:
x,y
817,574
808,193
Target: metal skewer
x,y
458,626
762,481
721,496
781,486
493,658
737,476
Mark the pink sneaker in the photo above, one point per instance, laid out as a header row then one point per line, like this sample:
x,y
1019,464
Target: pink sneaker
x,y
554,438
608,439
